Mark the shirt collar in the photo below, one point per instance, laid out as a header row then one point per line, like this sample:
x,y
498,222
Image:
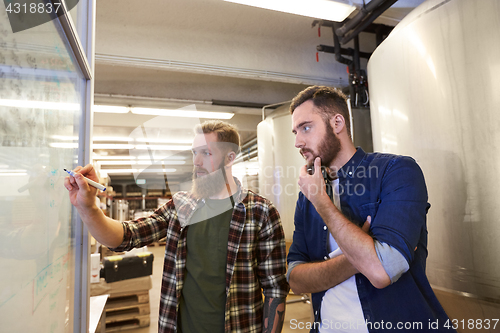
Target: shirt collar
x,y
349,169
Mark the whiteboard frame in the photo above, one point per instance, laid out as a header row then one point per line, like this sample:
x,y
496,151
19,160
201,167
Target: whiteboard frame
x,y
84,54
72,35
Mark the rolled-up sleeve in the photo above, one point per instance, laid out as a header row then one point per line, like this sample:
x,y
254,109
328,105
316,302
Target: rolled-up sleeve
x,y
144,231
401,216
291,266
392,260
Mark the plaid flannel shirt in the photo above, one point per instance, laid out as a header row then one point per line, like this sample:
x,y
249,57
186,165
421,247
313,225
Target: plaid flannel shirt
x,y
256,257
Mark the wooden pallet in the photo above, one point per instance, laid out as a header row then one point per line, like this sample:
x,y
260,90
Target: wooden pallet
x,y
127,310
140,302
127,324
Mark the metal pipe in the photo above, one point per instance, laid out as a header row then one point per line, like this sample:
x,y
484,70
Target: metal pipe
x,y
249,143
363,12
153,99
357,65
270,106
242,158
249,151
338,55
237,104
343,51
368,20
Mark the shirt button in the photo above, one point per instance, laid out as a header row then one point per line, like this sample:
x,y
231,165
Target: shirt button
x,y
325,227
326,257
350,173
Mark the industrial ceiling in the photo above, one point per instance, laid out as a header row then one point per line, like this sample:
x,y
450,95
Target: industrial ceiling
x,y
210,55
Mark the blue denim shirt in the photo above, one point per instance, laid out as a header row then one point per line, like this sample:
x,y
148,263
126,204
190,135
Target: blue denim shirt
x,y
391,189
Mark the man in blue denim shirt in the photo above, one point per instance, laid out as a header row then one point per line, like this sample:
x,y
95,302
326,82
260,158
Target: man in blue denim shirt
x,y
361,249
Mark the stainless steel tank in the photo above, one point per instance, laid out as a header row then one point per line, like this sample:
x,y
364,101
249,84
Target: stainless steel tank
x,y
434,92
279,165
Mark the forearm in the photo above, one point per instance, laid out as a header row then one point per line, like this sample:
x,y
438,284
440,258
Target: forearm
x,y
320,276
357,246
105,230
274,314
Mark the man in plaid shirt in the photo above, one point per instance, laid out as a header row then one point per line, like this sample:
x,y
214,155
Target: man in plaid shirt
x,y
224,244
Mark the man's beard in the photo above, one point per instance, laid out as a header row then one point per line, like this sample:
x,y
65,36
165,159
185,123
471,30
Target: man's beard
x,y
210,184
328,148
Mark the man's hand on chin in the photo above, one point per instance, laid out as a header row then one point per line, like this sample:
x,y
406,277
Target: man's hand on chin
x,y
313,186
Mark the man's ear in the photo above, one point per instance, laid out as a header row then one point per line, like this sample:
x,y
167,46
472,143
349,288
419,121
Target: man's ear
x,y
338,123
230,157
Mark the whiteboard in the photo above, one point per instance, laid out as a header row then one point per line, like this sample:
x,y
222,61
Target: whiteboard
x,y
42,95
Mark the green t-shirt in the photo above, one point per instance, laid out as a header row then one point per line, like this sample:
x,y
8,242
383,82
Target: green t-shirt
x,y
203,299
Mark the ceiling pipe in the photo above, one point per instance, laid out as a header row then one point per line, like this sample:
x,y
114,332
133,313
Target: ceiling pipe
x,y
152,99
238,104
355,57
368,19
246,157
337,50
271,106
347,52
363,12
248,143
214,102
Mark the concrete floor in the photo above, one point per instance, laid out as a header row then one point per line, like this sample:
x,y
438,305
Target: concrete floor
x,y
299,312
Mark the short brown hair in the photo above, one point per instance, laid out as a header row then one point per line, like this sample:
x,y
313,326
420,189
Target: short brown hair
x,y
226,132
328,102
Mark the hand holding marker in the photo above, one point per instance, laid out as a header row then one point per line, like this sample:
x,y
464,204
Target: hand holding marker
x,y
89,181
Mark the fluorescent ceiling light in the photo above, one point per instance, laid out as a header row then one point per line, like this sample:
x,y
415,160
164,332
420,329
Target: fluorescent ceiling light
x,y
13,174
337,10
64,137
112,146
111,138
175,141
145,140
163,147
110,109
63,145
177,162
126,171
141,147
39,105
13,171
182,113
10,172
144,157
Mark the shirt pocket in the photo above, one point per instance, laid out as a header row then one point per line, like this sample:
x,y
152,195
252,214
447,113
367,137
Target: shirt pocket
x,y
369,209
